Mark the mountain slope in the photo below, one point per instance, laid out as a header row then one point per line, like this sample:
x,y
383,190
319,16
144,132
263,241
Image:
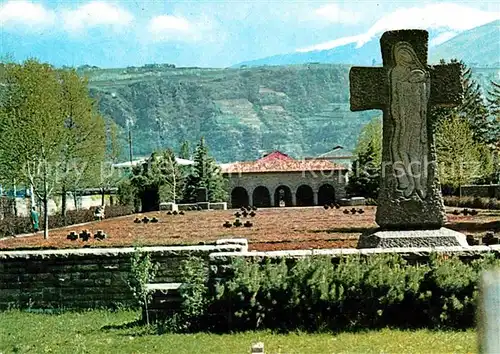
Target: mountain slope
x,y
479,46
301,110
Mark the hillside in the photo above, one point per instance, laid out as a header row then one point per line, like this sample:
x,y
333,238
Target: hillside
x,y
478,47
302,110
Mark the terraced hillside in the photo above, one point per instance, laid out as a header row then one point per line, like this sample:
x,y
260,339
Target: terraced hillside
x,y
301,109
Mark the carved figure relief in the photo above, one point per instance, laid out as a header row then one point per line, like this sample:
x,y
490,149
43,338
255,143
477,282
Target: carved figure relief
x,y
409,95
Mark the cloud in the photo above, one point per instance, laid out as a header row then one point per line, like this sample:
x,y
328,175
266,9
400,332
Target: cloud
x,y
165,28
441,38
332,44
25,13
95,14
448,16
167,24
333,13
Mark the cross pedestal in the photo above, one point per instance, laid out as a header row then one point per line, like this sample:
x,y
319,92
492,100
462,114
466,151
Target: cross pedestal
x,y
405,89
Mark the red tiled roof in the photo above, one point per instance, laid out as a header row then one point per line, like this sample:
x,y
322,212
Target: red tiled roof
x,y
279,162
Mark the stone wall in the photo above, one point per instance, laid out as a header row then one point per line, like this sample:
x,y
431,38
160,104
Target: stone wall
x,y
88,278
483,191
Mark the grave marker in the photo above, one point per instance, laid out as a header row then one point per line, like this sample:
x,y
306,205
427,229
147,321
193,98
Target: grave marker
x,y
405,89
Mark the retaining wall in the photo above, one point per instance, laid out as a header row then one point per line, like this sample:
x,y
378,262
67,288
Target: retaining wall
x,y
93,278
88,278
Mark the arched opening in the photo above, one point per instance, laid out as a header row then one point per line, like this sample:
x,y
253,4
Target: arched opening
x,y
261,197
326,194
305,196
239,197
284,194
150,199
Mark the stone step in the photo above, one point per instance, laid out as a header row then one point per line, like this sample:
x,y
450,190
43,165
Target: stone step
x,y
163,286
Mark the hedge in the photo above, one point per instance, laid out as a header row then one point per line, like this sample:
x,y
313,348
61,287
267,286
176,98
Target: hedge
x,y
472,202
314,294
12,225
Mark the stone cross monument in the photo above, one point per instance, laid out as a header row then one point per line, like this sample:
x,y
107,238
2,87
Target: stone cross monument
x,y
405,89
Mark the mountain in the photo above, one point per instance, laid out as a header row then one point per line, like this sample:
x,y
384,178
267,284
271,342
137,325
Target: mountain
x,y
302,110
479,46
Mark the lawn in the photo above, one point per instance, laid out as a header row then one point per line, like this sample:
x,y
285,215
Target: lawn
x,y
273,229
106,332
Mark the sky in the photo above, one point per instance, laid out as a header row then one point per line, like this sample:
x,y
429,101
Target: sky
x,y
220,33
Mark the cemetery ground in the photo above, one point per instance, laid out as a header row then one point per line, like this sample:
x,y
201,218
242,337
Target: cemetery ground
x,y
272,229
115,332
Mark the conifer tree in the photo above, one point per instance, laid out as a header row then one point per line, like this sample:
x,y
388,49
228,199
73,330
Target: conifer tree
x,y
205,174
185,152
365,177
494,107
473,108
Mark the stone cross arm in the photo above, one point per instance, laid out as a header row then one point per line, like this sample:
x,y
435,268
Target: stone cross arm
x,y
369,86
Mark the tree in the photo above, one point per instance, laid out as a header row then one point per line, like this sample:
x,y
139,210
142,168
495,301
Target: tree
x,y
494,106
205,174
473,108
486,173
457,152
365,177
84,136
32,128
493,99
159,178
172,186
185,152
110,176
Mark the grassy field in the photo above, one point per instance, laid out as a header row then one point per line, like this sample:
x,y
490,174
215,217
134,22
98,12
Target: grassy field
x,y
107,332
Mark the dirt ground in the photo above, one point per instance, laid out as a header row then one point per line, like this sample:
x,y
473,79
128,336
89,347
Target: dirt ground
x,y
273,229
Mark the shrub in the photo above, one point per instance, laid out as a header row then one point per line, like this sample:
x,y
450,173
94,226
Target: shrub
x,y
324,293
12,225
113,211
472,202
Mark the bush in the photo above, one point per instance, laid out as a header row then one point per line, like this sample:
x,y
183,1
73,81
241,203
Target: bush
x,y
11,225
472,202
356,292
113,211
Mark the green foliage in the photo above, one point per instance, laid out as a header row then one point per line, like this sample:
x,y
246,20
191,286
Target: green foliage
x,y
205,174
347,293
84,136
457,152
110,176
474,109
365,177
185,151
472,202
142,272
126,193
160,178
